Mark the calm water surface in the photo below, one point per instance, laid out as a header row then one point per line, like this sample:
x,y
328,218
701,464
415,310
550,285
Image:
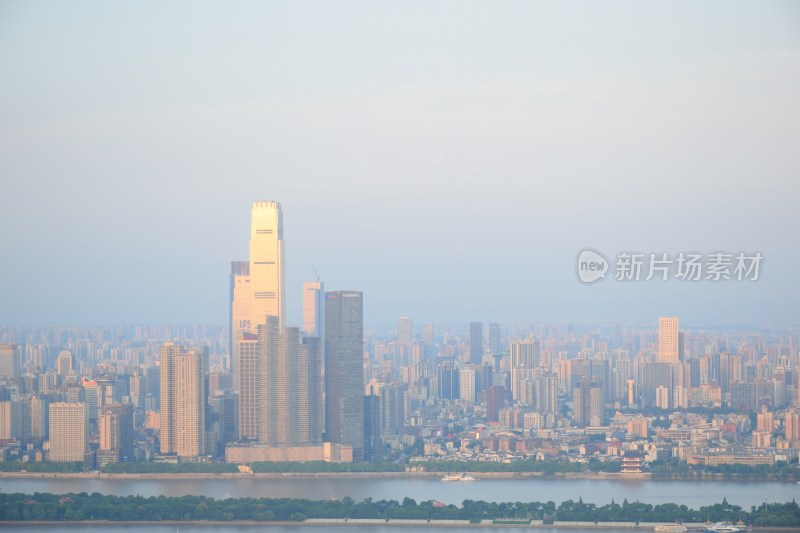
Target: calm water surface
x,y
691,493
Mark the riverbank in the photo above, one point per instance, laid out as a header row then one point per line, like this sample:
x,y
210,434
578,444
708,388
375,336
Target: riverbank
x,y
534,524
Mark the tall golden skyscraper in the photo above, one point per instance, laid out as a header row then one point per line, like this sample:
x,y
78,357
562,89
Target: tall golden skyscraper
x,y
668,348
183,400
277,373
257,285
266,262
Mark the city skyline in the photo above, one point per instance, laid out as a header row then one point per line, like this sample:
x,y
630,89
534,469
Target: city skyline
x,y
263,260
538,385
449,162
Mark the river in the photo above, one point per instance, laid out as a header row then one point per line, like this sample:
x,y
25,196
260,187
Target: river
x,y
691,493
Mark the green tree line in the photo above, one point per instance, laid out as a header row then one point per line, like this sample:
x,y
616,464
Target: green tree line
x,y
322,466
675,468
17,466
83,506
660,469
170,468
528,465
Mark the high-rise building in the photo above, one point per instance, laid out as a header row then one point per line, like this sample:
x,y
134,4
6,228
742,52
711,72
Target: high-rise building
x,y
249,386
475,342
588,403
448,381
428,338
680,397
653,376
314,309
290,388
392,409
152,392
39,414
466,383
662,397
791,424
765,420
266,262
344,380
581,402
631,392
183,400
483,379
6,421
88,394
619,377
494,338
241,312
547,394
405,330
10,362
524,358
668,340
257,285
69,432
372,425
223,418
495,400
65,364
115,425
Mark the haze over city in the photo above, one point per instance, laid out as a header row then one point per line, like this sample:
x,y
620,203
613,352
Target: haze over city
x,y
371,265
448,160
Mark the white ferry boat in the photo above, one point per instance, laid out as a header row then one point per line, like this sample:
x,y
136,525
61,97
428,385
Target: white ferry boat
x,y
458,477
723,527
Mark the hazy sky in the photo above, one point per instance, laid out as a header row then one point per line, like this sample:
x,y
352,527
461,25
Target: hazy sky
x,y
449,159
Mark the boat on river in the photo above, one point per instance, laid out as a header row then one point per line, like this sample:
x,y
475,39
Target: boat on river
x,y
723,527
458,477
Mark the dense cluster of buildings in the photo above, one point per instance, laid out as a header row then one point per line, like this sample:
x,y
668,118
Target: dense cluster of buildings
x,y
261,390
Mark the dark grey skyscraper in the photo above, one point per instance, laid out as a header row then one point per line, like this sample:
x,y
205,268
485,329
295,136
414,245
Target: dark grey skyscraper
x,y
654,375
344,375
475,342
448,381
392,409
372,426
